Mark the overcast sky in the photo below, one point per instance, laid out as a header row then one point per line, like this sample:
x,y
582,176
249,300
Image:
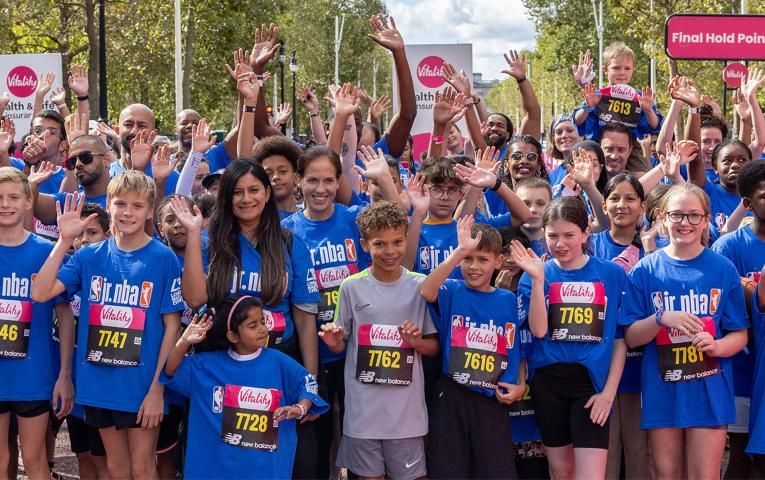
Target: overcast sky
x,y
492,26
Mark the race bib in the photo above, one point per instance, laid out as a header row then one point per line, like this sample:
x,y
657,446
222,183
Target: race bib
x,y
679,361
576,311
328,281
477,357
383,356
115,335
276,324
619,104
15,327
523,407
248,417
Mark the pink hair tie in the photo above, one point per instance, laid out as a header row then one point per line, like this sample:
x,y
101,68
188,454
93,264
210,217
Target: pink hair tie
x,y
231,312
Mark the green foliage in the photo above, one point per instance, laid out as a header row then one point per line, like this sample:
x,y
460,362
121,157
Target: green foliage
x,y
140,47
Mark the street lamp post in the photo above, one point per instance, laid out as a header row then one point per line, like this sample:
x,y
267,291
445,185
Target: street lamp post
x,y
103,110
282,58
294,69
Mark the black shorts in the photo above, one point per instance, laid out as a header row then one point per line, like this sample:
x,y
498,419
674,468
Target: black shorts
x,y
170,428
560,392
25,408
470,435
105,418
84,438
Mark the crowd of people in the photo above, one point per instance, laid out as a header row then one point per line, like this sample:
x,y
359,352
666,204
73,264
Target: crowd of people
x,y
258,308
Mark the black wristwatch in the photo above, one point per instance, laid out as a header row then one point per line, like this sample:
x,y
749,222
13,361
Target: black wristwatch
x,y
496,185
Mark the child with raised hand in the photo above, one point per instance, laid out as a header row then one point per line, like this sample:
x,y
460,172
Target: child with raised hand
x,y
690,322
481,359
31,384
244,401
130,294
571,304
385,327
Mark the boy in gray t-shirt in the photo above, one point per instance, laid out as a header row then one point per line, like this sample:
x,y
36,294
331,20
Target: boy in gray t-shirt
x,y
384,326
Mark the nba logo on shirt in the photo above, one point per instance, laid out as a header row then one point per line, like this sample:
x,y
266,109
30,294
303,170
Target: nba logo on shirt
x,y
96,283
510,335
720,220
146,288
714,300
350,249
217,405
424,258
658,302
458,320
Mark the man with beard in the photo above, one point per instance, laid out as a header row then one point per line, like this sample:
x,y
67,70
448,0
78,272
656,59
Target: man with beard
x,y
138,119
46,142
88,159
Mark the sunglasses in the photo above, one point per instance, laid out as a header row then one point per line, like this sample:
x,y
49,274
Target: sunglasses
x,y
531,156
86,158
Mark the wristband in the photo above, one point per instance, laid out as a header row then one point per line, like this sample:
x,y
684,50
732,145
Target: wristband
x,y
497,185
303,410
693,110
520,80
659,315
82,99
476,101
259,76
436,139
313,114
587,108
248,109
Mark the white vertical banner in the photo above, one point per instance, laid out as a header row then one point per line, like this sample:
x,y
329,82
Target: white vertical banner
x,y
426,63
20,75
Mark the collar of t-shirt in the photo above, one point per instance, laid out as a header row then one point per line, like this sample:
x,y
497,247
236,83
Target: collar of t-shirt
x,y
244,358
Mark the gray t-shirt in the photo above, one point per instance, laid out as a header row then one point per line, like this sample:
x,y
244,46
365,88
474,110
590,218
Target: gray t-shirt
x,y
375,411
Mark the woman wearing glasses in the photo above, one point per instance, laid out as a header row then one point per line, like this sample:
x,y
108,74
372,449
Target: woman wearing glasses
x,y
686,305
523,160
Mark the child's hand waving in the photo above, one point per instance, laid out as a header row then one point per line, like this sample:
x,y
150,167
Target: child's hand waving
x,y
197,330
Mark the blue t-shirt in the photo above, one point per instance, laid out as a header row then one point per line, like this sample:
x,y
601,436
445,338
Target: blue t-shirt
x,y
539,246
300,285
98,199
585,292
123,296
590,129
476,322
26,356
523,421
747,252
557,174
49,186
722,203
661,282
604,246
217,157
222,388
757,406
336,254
172,181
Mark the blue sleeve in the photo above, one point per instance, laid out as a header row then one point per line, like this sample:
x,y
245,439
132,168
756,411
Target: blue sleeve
x,y
217,157
634,305
70,273
172,300
524,298
644,128
382,144
301,385
590,129
181,381
734,315
496,221
304,288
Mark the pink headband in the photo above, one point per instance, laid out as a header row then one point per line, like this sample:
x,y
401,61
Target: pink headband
x,y
231,312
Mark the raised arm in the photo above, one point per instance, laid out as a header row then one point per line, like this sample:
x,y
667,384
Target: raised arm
x,y
193,281
419,198
387,36
265,47
465,245
447,105
531,122
247,85
78,84
755,78
307,96
43,87
461,83
684,89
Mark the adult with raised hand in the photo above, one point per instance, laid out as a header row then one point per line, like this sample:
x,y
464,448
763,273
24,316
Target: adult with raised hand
x,y
7,136
387,36
265,47
89,162
46,142
44,84
282,115
78,84
309,100
58,98
249,90
185,121
447,105
755,78
531,122
201,141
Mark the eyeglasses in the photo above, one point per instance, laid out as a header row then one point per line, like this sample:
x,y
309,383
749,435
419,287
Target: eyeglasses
x,y
450,193
531,156
86,158
40,131
694,218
